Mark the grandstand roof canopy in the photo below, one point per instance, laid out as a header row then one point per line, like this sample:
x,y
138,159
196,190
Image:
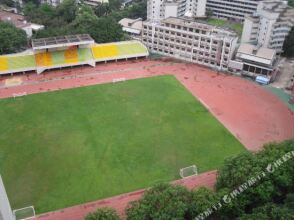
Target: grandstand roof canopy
x,y
62,41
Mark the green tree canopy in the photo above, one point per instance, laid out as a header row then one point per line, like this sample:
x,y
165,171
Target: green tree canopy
x,y
274,186
269,211
12,39
103,214
102,9
201,200
105,30
162,202
288,46
68,10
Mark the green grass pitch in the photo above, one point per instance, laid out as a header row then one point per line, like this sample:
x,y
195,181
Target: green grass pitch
x,y
58,149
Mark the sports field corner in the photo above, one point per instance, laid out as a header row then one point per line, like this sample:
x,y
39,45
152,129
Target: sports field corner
x,y
252,114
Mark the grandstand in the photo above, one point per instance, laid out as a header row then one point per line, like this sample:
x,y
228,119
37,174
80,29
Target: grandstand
x,y
17,63
63,58
73,50
120,50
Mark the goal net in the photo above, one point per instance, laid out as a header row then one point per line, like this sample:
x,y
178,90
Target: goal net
x,y
188,171
24,213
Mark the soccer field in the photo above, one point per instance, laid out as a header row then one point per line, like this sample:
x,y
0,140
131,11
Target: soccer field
x,y
63,148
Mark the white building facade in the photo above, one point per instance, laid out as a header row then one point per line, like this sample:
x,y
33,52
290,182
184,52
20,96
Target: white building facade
x,y
269,26
190,41
161,9
232,9
52,2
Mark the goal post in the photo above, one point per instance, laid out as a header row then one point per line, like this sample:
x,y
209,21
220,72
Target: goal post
x,y
24,213
188,171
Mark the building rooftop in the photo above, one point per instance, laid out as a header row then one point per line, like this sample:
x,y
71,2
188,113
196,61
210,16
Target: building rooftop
x,y
18,20
62,41
131,23
246,48
265,53
286,12
255,54
199,24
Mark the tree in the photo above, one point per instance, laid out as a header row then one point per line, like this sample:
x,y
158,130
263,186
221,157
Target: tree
x,y
68,9
12,39
52,32
102,9
201,200
103,214
138,10
114,5
274,186
164,201
268,211
85,18
288,46
9,3
105,29
291,3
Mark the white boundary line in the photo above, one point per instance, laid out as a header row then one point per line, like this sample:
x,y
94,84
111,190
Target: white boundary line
x,y
115,80
19,94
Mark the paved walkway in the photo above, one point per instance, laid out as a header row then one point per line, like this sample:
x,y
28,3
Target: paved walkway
x,y
120,202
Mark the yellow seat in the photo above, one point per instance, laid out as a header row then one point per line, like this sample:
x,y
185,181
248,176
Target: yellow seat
x,y
3,63
105,51
44,59
71,55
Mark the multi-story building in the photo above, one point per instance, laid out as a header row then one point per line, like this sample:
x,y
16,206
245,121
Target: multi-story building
x,y
160,9
253,60
93,3
52,2
191,41
232,9
269,26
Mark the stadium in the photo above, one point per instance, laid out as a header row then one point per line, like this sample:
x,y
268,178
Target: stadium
x,y
69,51
86,127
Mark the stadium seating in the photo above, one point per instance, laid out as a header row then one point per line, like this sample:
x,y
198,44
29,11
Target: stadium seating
x,y
84,54
44,59
17,63
71,56
131,48
3,64
118,50
41,61
105,51
63,57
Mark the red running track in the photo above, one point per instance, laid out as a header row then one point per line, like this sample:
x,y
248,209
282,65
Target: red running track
x,y
120,202
251,113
